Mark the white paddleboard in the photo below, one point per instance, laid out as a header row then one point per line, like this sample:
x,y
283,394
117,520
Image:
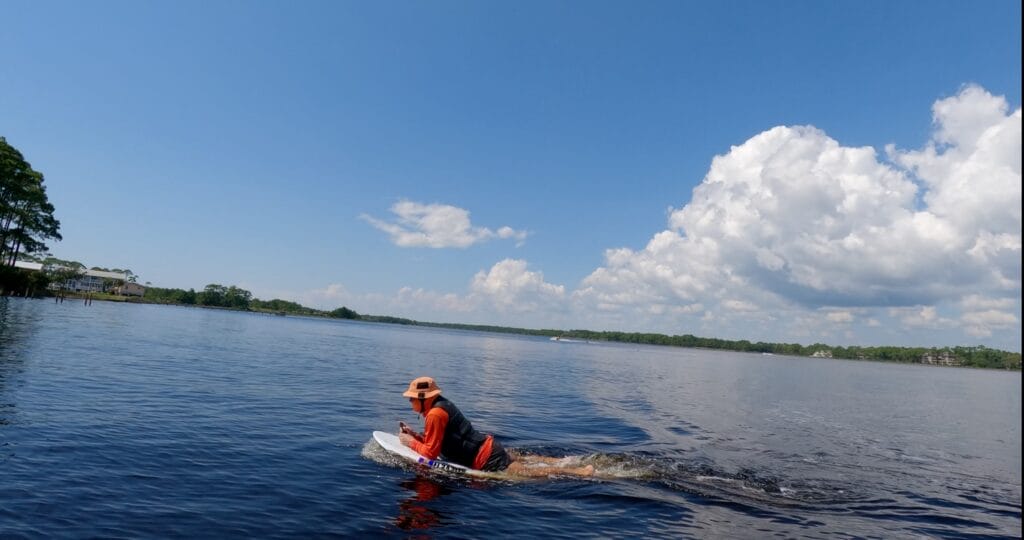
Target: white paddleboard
x,y
391,443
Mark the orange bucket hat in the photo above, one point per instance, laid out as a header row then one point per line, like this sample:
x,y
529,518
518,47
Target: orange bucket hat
x,y
422,388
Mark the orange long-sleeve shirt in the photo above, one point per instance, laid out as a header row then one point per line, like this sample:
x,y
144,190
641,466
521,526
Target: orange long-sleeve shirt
x,y
429,444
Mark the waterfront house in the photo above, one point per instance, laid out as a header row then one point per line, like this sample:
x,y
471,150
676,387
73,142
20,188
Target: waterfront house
x,y
940,358
94,281
130,289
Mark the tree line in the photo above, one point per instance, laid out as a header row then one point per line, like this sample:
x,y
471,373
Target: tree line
x,y
213,295
978,356
26,215
233,297
26,220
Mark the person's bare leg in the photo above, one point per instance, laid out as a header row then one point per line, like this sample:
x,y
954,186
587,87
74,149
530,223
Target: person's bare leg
x,y
531,459
540,459
519,468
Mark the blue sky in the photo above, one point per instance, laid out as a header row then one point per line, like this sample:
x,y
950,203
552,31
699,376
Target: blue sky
x,y
842,172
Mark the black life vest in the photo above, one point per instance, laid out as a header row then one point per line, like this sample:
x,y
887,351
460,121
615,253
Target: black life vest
x,y
461,442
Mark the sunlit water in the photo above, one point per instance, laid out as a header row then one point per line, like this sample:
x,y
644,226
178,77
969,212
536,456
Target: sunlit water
x,y
148,421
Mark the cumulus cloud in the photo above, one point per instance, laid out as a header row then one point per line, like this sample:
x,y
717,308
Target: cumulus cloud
x,y
983,323
507,288
509,285
437,226
920,317
793,220
972,173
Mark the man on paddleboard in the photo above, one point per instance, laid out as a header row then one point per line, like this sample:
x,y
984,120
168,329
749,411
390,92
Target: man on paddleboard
x,y
447,432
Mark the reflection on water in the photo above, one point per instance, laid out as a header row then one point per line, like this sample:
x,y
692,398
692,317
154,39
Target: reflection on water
x,y
413,512
14,330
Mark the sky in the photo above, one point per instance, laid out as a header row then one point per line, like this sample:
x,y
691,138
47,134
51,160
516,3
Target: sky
x,y
788,171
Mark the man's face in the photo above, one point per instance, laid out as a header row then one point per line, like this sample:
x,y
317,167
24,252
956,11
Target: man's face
x,y
415,403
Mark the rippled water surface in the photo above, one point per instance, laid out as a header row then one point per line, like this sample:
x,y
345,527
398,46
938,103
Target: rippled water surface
x,y
150,421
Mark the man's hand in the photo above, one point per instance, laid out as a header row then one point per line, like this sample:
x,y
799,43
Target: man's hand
x,y
405,439
404,428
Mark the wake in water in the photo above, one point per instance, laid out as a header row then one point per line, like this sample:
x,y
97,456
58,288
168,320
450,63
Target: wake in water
x,y
693,478
797,502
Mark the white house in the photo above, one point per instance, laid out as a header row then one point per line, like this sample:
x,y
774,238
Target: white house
x,y
93,280
130,289
27,265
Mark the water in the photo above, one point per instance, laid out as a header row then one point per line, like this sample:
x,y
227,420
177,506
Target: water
x,y
150,421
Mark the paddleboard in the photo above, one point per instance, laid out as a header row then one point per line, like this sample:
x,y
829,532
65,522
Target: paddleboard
x,y
391,443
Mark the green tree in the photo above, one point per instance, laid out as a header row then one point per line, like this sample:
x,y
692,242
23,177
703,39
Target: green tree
x,y
38,282
55,262
212,295
282,306
26,215
62,276
187,297
344,313
237,298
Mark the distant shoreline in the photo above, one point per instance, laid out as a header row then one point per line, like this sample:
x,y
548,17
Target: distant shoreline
x,y
972,357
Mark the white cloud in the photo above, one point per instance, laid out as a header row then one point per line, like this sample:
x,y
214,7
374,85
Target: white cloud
x,y
982,323
920,317
428,301
334,291
739,305
839,316
437,226
975,302
509,286
972,169
654,273
793,220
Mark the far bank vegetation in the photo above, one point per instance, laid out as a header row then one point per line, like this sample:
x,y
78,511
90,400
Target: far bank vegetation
x,y
232,297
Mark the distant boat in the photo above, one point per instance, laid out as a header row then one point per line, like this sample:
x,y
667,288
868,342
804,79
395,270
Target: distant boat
x,y
567,340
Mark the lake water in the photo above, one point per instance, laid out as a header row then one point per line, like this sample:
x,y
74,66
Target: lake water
x,y
152,421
